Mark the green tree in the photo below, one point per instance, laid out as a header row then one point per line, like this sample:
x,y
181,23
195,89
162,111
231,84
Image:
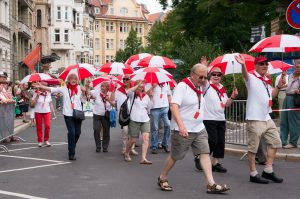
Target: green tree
x,y
133,45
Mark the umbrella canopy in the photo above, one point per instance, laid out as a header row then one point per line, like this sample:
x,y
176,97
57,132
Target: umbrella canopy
x,y
52,81
276,67
229,65
152,75
80,70
36,77
106,78
135,59
157,62
116,68
278,43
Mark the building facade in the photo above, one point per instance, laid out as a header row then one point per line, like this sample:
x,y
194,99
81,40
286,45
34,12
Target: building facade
x,y
5,42
114,20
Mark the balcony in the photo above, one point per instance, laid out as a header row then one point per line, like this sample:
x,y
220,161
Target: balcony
x,y
24,30
26,3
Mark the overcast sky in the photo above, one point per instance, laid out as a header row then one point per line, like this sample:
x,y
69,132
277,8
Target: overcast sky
x,y
152,5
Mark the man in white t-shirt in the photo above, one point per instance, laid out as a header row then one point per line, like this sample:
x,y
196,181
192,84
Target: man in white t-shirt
x,y
188,129
259,123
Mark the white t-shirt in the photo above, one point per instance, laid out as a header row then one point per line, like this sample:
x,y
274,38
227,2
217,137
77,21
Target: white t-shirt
x,y
213,109
140,108
67,103
43,103
98,103
257,107
188,103
160,96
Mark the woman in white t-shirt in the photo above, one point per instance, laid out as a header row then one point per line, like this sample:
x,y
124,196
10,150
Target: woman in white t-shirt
x,y
139,120
100,119
214,116
41,102
73,97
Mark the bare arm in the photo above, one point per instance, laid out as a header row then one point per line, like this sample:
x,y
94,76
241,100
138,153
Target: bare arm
x,y
240,59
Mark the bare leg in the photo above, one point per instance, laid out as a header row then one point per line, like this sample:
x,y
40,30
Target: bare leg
x,y
251,161
170,162
128,147
206,166
145,145
270,156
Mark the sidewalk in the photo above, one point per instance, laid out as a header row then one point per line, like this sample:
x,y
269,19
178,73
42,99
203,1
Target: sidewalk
x,y
20,126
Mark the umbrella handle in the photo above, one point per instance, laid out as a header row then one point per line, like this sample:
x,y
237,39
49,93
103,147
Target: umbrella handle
x,y
233,74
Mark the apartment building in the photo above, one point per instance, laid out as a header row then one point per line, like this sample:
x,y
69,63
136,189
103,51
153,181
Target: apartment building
x,y
114,19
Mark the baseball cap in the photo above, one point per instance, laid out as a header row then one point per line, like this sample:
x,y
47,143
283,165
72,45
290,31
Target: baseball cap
x,y
260,59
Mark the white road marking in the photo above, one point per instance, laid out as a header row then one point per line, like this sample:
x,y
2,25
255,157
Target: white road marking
x,y
28,168
19,195
35,143
29,158
33,147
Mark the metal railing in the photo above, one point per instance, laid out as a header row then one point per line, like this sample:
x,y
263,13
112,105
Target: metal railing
x,y
235,123
7,116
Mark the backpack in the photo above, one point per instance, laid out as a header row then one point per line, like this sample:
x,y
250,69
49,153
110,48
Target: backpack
x,y
112,118
124,114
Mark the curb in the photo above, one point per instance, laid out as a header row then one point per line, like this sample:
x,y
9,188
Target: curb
x,y
20,128
279,156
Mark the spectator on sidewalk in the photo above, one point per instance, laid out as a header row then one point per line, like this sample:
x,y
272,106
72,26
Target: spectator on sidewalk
x,y
259,123
41,102
290,120
188,129
72,99
281,95
25,98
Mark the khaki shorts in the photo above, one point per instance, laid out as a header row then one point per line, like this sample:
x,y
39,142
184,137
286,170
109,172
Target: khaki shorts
x,y
134,128
180,145
266,129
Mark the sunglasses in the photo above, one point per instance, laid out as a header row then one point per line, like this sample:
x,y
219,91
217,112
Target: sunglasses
x,y
200,77
216,74
263,64
126,79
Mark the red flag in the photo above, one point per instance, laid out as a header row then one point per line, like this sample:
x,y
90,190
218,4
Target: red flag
x,y
32,58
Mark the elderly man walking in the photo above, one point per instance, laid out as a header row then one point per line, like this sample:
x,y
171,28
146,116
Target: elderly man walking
x,y
259,123
188,128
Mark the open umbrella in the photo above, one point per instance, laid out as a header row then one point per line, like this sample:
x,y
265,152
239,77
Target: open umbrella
x,y
80,70
152,75
135,59
278,43
116,68
106,78
277,67
36,77
157,62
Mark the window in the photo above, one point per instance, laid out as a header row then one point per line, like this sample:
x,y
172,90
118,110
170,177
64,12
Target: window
x,y
91,43
109,44
66,13
77,19
111,11
97,59
135,13
66,35
122,44
58,13
97,10
39,18
109,27
139,28
91,25
97,43
97,26
57,35
124,11
109,58
123,27
91,60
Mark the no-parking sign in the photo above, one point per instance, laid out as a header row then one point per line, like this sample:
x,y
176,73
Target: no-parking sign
x,y
293,14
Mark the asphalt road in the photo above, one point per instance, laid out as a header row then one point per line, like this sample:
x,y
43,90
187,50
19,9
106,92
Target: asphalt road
x,y
46,172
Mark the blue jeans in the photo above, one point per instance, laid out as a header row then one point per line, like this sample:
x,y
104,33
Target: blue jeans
x,y
74,131
156,115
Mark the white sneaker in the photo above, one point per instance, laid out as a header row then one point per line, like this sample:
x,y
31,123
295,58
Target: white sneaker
x,y
40,144
289,146
47,143
134,152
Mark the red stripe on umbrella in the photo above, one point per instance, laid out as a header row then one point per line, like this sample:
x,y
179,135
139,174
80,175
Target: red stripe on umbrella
x,y
116,68
36,77
157,61
151,75
135,59
80,70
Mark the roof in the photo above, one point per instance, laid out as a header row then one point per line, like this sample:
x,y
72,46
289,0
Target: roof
x,y
155,17
96,3
121,17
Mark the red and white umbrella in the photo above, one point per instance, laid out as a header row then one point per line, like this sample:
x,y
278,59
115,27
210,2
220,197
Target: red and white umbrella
x,y
106,78
152,75
277,67
172,84
36,77
80,70
135,59
116,68
229,65
278,43
157,62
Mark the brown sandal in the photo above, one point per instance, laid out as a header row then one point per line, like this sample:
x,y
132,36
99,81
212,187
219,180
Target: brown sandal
x,y
217,189
164,184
